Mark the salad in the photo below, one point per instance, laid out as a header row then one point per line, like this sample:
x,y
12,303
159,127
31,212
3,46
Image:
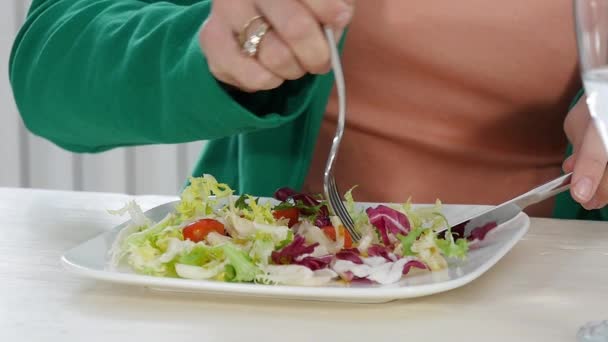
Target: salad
x,y
215,235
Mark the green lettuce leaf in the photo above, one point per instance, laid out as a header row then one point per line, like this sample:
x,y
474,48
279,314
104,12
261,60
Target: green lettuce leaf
x,y
244,269
453,249
255,212
261,249
408,241
359,217
285,242
201,255
200,197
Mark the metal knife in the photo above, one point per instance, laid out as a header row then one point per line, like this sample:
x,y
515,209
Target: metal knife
x,y
508,210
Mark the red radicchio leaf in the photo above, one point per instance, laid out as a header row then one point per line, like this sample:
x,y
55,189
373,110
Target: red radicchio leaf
x,y
388,220
414,263
283,194
315,263
350,254
379,251
349,277
289,253
322,218
357,280
479,233
457,231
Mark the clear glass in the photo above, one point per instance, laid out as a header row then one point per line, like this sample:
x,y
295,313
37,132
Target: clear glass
x,y
591,18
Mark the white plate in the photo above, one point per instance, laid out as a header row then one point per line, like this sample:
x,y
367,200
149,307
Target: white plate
x,y
90,260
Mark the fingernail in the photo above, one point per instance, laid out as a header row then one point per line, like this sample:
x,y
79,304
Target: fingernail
x,y
582,189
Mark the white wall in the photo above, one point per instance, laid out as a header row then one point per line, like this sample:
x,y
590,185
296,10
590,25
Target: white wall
x,y
28,161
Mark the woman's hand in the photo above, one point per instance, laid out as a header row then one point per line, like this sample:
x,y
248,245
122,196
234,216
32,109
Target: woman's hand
x,y
293,46
590,179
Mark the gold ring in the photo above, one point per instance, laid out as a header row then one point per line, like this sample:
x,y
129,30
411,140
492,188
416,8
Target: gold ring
x,y
250,41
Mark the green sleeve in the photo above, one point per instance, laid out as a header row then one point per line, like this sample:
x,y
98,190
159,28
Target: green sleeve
x,y
91,75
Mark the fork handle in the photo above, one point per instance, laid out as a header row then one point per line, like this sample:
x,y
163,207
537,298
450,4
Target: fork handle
x,y
339,80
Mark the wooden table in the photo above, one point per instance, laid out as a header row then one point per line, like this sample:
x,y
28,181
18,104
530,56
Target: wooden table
x,y
553,281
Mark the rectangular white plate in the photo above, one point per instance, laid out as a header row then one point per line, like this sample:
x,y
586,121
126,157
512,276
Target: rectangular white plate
x,y
90,260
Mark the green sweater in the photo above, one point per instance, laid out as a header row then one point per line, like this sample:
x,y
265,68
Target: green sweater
x,y
92,75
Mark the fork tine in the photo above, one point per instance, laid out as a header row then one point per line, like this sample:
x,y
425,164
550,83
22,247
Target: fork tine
x,y
341,210
352,231
344,215
349,220
335,196
336,205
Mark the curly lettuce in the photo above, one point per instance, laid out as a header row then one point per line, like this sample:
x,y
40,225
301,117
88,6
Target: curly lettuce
x,y
201,197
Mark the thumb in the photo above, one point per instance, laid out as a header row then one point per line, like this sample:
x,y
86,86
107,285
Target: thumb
x,y
589,166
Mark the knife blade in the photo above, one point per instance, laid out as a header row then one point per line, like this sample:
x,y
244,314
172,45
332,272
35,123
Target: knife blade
x,y
510,209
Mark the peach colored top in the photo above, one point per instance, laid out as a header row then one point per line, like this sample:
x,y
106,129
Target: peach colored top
x,y
458,100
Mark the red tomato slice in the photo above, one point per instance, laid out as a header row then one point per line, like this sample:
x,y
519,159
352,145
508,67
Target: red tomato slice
x,y
199,230
292,214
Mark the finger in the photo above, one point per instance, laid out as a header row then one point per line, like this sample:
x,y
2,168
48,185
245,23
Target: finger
x,y
299,29
227,62
276,56
235,85
209,38
338,34
576,122
568,165
600,199
230,81
589,167
336,13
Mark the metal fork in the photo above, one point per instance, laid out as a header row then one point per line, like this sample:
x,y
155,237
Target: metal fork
x,y
331,190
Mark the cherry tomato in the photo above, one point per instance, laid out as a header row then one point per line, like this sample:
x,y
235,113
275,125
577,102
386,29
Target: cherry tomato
x,y
293,214
330,232
199,230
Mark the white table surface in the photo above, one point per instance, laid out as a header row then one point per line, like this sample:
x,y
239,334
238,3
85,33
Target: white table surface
x,y
553,281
